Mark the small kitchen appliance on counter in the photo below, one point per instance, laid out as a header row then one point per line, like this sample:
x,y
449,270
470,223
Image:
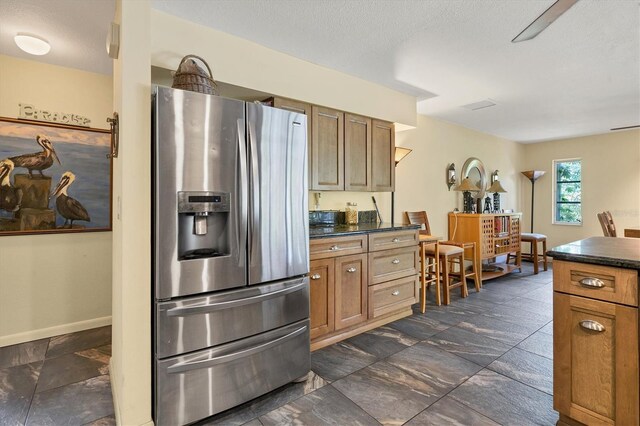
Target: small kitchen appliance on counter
x,y
230,253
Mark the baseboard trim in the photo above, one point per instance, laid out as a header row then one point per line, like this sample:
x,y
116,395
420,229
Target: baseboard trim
x,y
42,333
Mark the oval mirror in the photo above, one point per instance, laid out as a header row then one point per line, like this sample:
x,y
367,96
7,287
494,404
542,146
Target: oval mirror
x,y
474,169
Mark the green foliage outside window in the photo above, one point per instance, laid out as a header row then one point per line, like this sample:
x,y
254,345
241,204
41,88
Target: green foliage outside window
x,y
569,191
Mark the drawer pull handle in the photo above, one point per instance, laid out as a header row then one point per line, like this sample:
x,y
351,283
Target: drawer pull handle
x,y
352,269
395,240
395,261
315,276
334,248
395,293
592,282
592,325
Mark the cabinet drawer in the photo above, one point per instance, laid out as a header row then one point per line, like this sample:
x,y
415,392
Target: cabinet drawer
x,y
322,248
392,296
596,282
388,240
388,265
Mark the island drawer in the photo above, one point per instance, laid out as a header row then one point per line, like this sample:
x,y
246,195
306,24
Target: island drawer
x,y
388,265
598,282
323,248
393,295
395,239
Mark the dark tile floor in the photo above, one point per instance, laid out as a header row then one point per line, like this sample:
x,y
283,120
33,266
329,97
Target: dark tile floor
x,y
63,380
483,360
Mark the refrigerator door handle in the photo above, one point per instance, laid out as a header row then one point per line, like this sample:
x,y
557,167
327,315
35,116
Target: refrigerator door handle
x,y
212,307
195,365
241,233
255,190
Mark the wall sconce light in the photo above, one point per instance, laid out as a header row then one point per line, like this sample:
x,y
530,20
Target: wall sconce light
x,y
451,175
494,177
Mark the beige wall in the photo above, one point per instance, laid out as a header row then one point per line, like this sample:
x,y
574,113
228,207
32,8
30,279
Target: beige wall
x,y
421,176
610,181
53,284
131,354
247,64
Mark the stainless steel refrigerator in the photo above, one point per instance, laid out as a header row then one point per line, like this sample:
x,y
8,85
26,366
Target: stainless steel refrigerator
x,y
230,253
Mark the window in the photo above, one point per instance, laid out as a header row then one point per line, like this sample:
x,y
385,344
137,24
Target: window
x,y
567,177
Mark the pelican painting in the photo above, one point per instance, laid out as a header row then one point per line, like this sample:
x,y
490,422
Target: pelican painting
x,y
10,197
39,160
69,208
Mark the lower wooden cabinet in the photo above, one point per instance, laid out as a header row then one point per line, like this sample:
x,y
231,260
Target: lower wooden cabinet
x,y
350,290
596,360
354,290
322,285
595,346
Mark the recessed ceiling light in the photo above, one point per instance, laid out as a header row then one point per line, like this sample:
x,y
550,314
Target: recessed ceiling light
x,y
31,44
479,105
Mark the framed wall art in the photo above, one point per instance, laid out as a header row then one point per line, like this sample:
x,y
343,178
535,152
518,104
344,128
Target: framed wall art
x,y
54,178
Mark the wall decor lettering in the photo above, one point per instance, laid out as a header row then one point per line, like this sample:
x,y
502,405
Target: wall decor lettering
x,y
30,112
53,178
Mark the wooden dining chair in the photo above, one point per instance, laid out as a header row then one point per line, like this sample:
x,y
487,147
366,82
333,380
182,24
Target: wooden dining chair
x,y
446,254
606,222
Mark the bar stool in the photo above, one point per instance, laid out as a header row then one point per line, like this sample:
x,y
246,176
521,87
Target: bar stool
x,y
474,273
533,255
431,271
449,254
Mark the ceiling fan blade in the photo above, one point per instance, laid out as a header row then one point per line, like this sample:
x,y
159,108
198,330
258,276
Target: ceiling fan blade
x,y
544,20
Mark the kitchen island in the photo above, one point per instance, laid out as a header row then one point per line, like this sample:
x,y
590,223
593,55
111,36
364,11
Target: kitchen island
x,y
361,277
595,331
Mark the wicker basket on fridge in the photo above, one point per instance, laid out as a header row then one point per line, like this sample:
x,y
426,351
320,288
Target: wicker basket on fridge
x,y
190,76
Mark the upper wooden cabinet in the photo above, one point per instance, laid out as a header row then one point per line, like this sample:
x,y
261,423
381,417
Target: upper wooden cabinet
x,y
382,156
327,149
346,151
357,153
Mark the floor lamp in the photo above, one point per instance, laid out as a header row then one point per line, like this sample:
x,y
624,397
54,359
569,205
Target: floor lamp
x,y
399,155
533,176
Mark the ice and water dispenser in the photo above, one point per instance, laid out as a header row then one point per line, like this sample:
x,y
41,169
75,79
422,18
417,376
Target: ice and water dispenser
x,y
203,224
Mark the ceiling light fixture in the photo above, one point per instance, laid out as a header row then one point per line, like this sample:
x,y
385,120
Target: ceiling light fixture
x,y
31,44
544,20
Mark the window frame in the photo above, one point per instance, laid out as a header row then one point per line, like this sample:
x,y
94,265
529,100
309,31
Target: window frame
x,y
554,189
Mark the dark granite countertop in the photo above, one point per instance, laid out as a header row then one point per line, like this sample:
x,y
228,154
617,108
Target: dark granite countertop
x,y
324,231
608,251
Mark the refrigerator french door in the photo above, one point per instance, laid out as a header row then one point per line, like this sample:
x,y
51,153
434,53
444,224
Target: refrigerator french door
x,y
230,251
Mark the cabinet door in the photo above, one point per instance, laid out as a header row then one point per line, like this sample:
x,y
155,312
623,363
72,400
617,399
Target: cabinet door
x,y
382,156
327,149
322,284
351,290
595,352
357,153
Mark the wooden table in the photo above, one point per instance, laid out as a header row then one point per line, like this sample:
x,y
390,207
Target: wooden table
x,y
424,241
632,232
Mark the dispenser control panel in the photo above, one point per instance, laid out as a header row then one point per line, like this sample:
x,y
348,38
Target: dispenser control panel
x,y
202,202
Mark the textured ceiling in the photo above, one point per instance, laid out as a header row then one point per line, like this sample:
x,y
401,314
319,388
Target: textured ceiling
x,y
76,30
580,76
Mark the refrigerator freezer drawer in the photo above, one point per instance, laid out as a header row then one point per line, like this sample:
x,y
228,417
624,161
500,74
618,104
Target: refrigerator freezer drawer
x,y
200,322
201,384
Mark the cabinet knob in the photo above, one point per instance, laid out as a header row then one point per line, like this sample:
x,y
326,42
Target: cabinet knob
x,y
395,293
352,269
592,325
395,240
395,261
334,248
591,282
315,276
